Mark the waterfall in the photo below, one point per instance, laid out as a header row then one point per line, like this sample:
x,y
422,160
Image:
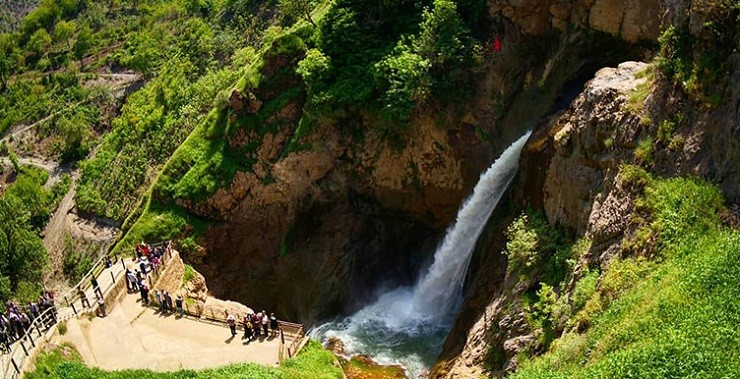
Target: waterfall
x,y
441,288
408,325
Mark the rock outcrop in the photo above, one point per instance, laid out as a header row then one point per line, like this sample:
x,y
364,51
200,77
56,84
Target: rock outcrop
x,y
631,20
579,153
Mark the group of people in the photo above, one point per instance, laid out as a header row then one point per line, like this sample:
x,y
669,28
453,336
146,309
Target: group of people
x,y
14,323
164,300
255,325
148,259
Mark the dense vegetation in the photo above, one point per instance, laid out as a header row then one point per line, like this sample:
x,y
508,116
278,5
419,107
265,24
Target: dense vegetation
x,y
203,53
698,59
346,67
396,56
666,309
12,12
313,362
25,207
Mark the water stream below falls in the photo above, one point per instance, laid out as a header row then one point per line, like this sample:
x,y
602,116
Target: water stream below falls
x,y
408,325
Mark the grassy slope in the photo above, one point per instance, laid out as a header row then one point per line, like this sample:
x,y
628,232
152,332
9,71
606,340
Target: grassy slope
x,y
678,321
313,362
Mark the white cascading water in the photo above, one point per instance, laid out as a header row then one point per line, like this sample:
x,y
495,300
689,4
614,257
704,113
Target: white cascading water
x,y
408,325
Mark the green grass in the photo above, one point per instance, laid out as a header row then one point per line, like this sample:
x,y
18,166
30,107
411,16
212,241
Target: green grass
x,y
206,161
637,97
313,362
189,274
644,151
160,222
673,316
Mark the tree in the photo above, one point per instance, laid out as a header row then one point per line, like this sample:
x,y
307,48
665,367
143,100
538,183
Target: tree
x,y
63,31
39,43
4,70
82,44
22,254
298,8
443,38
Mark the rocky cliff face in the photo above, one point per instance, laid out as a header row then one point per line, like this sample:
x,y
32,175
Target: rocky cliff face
x,y
570,168
342,215
356,210
631,20
353,210
579,155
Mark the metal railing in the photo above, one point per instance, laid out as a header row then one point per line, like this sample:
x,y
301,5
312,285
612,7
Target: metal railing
x,y
71,304
295,331
24,347
65,307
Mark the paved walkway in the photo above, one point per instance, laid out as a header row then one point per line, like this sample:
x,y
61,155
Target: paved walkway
x,y
133,337
106,282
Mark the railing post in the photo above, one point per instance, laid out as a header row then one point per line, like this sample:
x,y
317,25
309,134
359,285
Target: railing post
x,y
38,329
73,308
112,278
30,337
65,299
24,348
15,365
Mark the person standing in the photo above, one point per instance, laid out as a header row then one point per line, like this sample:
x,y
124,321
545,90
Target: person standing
x,y
101,307
274,324
178,304
265,322
231,321
96,287
34,309
256,319
144,289
247,324
83,298
130,282
168,302
158,296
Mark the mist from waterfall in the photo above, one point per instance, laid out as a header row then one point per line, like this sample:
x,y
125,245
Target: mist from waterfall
x,y
408,325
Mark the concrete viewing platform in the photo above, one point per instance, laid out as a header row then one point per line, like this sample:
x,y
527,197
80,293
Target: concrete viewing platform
x,y
132,336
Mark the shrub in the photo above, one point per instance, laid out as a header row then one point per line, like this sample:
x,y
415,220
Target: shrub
x,y
404,78
521,247
62,328
665,131
644,151
584,289
531,238
189,274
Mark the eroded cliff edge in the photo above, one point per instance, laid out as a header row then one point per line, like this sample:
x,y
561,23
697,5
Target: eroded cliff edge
x,y
576,170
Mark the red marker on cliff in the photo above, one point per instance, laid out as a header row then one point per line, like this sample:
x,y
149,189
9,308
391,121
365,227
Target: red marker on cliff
x,y
496,45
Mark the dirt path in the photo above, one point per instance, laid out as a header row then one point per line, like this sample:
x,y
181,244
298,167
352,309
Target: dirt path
x,y
132,337
65,223
51,167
